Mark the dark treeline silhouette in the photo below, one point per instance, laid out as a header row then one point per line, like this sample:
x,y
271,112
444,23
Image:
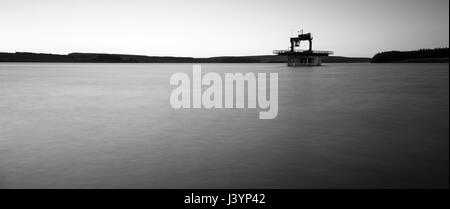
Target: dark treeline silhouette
x,y
125,58
33,57
89,58
422,55
121,58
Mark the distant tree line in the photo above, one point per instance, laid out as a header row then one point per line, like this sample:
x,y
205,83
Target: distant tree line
x,y
421,55
90,58
124,58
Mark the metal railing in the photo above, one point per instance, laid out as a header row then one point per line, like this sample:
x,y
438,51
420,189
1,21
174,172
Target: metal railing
x,y
303,51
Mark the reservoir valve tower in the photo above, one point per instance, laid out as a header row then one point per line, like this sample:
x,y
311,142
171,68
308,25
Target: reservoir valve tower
x,y
297,57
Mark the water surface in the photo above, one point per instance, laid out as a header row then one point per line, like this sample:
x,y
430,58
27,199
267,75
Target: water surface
x,y
111,126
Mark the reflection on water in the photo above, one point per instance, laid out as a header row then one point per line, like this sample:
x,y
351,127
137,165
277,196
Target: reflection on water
x,y
111,126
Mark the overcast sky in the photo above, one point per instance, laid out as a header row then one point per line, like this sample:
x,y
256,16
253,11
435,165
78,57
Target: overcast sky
x,y
204,28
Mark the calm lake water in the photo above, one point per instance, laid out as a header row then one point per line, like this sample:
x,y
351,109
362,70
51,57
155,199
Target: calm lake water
x,y
112,126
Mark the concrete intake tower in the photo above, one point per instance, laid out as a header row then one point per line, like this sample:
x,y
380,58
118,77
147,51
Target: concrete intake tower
x,y
297,57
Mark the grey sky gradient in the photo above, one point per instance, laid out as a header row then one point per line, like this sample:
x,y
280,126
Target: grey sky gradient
x,y
204,28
